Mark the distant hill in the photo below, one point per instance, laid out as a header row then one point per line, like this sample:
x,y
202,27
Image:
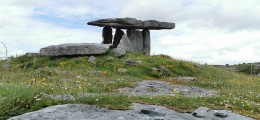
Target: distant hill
x,y
247,68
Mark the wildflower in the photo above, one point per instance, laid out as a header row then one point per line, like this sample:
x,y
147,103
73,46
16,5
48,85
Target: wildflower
x,y
176,91
63,63
79,87
248,104
38,99
96,100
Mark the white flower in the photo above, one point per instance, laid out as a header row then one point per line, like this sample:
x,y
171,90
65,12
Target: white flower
x,y
38,99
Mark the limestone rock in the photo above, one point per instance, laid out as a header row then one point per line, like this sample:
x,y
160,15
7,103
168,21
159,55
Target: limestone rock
x,y
92,59
6,65
75,49
132,23
107,35
61,97
118,36
121,70
185,78
136,39
110,58
123,46
138,112
132,62
146,41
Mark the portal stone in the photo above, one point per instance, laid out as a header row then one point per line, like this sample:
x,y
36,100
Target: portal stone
x,y
136,39
118,36
107,35
123,46
147,41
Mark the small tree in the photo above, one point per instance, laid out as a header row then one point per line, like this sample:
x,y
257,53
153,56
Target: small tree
x,y
227,65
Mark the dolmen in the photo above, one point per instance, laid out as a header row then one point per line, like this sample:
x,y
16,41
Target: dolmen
x,y
136,39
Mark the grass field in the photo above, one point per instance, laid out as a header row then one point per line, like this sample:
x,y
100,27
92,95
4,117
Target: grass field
x,y
24,86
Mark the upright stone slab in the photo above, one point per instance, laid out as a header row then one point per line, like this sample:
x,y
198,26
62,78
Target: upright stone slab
x,y
123,46
136,39
107,35
147,41
118,36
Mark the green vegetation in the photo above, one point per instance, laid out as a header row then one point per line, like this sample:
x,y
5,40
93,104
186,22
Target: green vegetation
x,y
24,87
248,68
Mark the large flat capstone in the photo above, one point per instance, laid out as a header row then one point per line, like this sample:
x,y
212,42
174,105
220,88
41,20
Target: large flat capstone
x,y
75,49
132,23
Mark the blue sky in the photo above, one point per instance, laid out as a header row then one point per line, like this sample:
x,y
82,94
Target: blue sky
x,y
207,31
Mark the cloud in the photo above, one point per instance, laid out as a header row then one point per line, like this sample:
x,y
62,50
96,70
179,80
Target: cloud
x,y
212,31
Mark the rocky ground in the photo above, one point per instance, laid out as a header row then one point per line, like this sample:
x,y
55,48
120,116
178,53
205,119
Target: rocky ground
x,y
138,111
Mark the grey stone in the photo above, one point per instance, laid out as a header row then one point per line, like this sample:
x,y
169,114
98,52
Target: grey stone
x,y
110,58
118,36
164,69
147,41
156,69
75,49
92,59
204,113
124,46
121,70
185,78
131,62
6,65
61,97
157,88
107,35
97,72
136,39
201,112
132,23
138,112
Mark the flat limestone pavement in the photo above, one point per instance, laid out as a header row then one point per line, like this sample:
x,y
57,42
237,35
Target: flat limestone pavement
x,y
138,112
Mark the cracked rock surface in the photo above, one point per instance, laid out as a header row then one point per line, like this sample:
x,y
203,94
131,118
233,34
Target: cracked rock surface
x,y
138,112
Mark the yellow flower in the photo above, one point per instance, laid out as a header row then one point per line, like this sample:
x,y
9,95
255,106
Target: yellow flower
x,y
79,87
176,91
248,104
63,63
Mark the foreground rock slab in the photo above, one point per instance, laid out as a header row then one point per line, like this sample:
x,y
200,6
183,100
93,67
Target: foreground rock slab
x,y
138,112
75,49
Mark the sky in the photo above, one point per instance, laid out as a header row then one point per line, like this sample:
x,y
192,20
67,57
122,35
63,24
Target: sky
x,y
207,31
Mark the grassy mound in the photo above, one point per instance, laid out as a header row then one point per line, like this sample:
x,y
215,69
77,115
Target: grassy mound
x,y
23,87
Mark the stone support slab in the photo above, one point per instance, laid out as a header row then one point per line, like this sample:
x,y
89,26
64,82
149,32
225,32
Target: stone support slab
x,y
118,36
107,35
136,39
146,41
